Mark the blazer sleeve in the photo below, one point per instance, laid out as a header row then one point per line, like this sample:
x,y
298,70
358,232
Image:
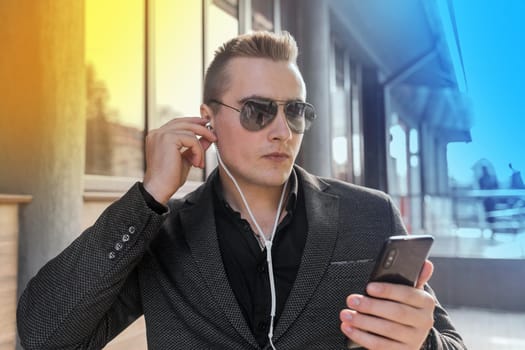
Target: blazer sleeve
x,y
443,336
89,293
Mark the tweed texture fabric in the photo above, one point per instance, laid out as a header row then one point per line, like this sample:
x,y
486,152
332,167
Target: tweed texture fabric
x,y
133,261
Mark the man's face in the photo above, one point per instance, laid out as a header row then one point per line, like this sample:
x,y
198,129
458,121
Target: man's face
x,y
264,157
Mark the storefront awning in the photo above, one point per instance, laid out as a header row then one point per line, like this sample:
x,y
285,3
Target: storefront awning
x,y
406,41
404,38
446,110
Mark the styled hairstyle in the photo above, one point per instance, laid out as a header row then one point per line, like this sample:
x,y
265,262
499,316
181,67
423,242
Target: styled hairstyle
x,y
260,44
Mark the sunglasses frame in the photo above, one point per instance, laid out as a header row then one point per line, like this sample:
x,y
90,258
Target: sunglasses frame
x,y
307,123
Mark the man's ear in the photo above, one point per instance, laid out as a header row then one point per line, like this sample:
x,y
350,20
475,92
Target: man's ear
x,y
207,113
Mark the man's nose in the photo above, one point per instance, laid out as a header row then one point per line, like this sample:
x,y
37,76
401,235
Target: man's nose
x,y
279,128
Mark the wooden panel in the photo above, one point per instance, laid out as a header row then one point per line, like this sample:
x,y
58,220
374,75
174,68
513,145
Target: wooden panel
x,y
7,312
8,345
15,198
8,220
8,258
8,273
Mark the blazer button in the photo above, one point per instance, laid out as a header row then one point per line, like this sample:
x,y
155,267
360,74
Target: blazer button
x,y
125,237
132,229
111,255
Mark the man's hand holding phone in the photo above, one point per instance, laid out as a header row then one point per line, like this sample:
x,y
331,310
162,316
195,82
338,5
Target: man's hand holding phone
x,y
391,315
171,151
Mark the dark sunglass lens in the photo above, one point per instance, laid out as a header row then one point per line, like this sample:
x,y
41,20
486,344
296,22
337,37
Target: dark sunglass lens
x,y
255,115
295,115
309,116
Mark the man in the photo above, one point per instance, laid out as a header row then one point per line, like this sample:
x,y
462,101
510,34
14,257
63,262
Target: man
x,y
488,181
199,268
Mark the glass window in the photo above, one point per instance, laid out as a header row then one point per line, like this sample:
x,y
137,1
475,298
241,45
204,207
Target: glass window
x,y
398,153
339,136
404,172
262,15
178,63
178,59
339,67
347,139
340,114
222,24
114,54
230,7
357,125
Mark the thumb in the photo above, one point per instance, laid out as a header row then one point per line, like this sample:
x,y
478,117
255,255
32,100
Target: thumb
x,y
425,274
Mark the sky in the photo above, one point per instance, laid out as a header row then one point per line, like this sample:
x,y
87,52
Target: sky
x,y
491,35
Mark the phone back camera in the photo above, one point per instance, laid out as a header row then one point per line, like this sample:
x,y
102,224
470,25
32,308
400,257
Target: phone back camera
x,y
390,258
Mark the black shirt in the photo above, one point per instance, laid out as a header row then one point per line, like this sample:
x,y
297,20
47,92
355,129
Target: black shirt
x,y
246,265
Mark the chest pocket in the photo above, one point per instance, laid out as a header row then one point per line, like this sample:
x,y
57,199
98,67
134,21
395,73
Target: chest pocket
x,y
341,279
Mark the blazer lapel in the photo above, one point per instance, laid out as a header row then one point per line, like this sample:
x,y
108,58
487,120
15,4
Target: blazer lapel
x,y
322,213
199,224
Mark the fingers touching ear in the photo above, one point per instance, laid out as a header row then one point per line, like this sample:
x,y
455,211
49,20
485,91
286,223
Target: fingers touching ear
x,y
207,113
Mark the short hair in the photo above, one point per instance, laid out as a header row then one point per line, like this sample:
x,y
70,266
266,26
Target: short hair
x,y
260,44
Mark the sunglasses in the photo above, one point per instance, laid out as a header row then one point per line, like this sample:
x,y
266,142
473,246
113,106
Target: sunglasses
x,y
257,113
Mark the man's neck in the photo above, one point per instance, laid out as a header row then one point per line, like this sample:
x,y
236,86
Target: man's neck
x,y
262,200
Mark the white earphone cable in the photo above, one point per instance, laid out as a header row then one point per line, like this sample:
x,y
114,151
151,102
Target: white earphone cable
x,y
265,243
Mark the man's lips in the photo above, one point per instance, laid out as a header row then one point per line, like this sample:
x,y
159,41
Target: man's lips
x,y
277,155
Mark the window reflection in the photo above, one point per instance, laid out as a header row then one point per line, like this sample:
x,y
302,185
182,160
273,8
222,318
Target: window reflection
x,y
222,24
230,7
178,63
340,114
262,15
357,125
114,51
178,59
404,172
347,129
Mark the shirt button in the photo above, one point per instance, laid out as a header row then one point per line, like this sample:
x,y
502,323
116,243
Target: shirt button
x,y
261,267
119,246
111,255
132,229
262,326
125,237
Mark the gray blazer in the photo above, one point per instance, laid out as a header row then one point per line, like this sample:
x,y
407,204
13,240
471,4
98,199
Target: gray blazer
x,y
133,261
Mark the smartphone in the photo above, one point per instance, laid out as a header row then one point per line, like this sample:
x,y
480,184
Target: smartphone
x,y
400,261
